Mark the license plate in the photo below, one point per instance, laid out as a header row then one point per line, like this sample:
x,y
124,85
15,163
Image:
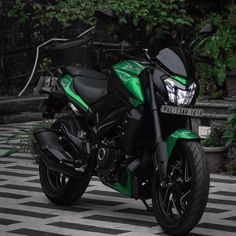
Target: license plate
x,y
182,111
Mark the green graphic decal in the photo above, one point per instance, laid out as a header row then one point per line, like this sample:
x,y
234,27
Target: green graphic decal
x,y
180,134
66,83
129,66
127,190
128,72
182,80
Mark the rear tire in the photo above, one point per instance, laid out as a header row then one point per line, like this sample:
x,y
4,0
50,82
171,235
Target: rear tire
x,y
60,189
180,201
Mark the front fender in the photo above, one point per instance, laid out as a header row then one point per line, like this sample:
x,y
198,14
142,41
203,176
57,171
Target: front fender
x,y
180,134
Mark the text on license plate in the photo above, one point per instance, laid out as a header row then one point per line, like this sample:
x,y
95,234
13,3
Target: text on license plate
x,y
182,111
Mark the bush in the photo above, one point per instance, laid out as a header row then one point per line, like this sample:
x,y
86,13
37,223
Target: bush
x,y
230,136
41,15
230,133
215,139
27,20
222,48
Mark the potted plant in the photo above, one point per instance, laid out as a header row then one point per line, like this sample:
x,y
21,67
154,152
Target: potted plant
x,y
221,47
230,136
215,150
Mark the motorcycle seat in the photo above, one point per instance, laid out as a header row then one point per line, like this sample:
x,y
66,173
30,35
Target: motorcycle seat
x,y
90,85
78,70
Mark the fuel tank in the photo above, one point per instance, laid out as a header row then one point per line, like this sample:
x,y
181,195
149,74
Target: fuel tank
x,y
125,91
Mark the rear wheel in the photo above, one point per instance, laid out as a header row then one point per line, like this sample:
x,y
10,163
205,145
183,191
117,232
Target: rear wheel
x,y
59,188
180,200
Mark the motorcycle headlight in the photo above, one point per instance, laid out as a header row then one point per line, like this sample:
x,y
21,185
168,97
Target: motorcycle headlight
x,y
178,93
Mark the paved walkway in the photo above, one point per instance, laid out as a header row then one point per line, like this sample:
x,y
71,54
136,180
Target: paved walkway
x,y
24,210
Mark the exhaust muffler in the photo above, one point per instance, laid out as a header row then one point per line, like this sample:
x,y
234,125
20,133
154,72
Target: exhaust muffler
x,y
53,154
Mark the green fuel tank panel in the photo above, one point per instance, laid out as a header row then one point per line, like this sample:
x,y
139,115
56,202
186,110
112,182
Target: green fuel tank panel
x,y
128,71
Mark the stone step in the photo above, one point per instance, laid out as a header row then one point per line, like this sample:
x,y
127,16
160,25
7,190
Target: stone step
x,y
215,109
20,104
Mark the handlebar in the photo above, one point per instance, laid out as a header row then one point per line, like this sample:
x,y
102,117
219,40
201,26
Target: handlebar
x,y
79,42
106,45
66,44
122,46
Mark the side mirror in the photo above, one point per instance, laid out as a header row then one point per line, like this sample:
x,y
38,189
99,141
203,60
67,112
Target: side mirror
x,y
106,15
205,32
208,30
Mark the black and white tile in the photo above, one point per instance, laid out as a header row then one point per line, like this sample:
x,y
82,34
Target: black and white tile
x,y
24,210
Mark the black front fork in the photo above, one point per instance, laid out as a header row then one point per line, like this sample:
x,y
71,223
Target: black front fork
x,y
161,155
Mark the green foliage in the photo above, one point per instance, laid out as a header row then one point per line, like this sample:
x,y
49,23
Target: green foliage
x,y
230,133
230,136
46,66
169,14
42,14
221,47
215,139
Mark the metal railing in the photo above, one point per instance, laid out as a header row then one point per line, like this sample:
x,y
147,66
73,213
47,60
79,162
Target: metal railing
x,y
15,65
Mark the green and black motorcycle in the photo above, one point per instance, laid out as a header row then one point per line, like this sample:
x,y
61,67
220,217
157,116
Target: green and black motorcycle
x,y
131,127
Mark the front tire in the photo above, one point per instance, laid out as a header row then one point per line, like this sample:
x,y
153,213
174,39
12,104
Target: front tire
x,y
180,200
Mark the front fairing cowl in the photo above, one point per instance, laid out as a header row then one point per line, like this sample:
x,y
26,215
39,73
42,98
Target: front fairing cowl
x,y
177,62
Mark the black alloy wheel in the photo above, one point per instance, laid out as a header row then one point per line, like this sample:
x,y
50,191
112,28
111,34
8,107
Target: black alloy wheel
x,y
59,188
179,201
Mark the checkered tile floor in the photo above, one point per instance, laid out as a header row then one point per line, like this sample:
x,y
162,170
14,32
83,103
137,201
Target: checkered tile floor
x,y
24,210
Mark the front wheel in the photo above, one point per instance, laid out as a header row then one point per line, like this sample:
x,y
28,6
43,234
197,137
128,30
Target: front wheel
x,y
180,200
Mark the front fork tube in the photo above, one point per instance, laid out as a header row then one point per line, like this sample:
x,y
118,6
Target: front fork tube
x,y
161,155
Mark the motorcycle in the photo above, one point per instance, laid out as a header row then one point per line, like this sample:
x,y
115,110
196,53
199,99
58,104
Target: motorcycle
x,y
131,127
